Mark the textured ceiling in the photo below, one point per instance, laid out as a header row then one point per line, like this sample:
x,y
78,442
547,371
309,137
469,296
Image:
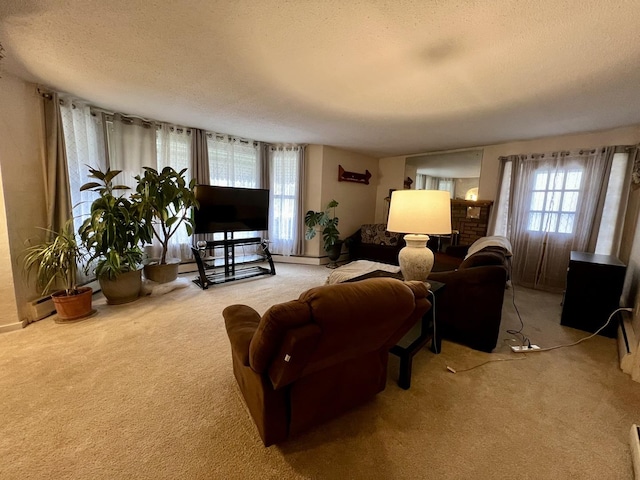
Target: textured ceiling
x,y
378,77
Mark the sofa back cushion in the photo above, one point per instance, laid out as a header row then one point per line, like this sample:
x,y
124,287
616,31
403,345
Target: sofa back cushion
x,y
377,234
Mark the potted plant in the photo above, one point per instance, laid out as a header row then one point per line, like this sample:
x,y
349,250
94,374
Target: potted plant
x,y
55,262
165,200
326,222
113,234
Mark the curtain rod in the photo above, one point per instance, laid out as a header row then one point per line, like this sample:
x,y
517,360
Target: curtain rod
x,y
582,151
48,94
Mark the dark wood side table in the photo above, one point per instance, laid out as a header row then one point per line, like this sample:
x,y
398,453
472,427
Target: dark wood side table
x,y
594,287
419,335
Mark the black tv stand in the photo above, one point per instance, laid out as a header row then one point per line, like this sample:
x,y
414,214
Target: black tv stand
x,y
230,267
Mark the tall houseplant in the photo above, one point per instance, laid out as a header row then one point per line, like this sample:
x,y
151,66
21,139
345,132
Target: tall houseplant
x,y
327,223
55,262
113,234
165,199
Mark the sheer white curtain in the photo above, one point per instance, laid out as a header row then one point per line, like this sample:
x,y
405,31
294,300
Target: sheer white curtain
x,y
132,145
234,162
551,205
136,143
448,185
285,168
431,183
85,147
173,147
613,212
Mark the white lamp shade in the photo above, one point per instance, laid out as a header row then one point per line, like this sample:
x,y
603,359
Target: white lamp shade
x,y
420,211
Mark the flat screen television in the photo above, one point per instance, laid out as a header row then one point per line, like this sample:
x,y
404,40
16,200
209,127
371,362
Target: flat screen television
x,y
231,209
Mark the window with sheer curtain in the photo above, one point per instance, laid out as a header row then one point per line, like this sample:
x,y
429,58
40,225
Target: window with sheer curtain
x,y
427,182
234,162
133,143
285,165
84,141
551,204
554,200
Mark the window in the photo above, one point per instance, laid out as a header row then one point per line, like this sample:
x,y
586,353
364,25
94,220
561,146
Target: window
x,y
133,143
233,162
554,201
284,193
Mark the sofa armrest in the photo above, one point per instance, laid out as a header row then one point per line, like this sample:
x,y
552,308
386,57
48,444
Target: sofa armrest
x,y
469,309
241,322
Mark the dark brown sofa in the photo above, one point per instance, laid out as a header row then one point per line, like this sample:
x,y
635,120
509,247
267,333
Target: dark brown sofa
x,y
469,308
308,360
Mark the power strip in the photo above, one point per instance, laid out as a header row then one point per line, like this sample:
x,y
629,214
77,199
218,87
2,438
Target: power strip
x,y
525,348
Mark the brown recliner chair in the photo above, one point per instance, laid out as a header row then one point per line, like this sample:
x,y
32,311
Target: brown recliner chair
x,y
308,360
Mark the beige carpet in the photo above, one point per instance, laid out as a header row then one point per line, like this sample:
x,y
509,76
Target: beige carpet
x,y
146,391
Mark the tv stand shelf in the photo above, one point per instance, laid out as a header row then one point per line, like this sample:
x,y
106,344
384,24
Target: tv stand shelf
x,y
214,269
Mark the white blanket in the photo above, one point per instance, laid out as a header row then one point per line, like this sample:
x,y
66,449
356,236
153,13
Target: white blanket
x,y
357,268
154,289
494,241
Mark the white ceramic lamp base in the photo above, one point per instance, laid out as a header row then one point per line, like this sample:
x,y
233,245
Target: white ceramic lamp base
x,y
416,259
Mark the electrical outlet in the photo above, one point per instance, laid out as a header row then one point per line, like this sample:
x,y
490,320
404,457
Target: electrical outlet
x,y
524,348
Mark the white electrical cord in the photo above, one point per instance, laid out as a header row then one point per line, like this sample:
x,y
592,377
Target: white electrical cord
x,y
522,357
588,337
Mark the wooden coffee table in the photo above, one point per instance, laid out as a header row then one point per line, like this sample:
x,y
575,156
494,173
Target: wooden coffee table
x,y
424,330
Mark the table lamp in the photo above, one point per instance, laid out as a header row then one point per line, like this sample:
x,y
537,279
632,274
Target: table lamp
x,y
418,213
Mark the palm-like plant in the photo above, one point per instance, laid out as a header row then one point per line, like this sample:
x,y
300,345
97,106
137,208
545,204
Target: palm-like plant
x,y
56,261
115,228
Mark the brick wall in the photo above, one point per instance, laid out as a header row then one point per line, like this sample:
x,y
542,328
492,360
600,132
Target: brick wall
x,y
470,229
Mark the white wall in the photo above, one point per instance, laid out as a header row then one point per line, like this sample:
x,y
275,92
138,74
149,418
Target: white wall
x,y
313,192
356,201
8,304
391,176
23,204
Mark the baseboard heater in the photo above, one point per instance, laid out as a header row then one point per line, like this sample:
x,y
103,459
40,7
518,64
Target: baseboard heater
x,y
43,307
635,449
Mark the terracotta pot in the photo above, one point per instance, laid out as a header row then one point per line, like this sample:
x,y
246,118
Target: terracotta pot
x,y
162,273
73,307
124,289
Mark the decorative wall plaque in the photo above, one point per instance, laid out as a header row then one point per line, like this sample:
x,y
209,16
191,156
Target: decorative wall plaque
x,y
353,176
